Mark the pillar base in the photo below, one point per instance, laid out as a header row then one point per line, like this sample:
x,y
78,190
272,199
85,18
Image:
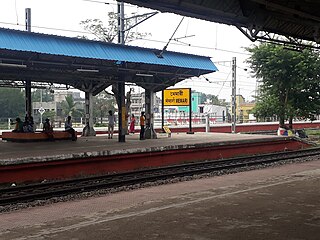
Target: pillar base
x,y
122,138
88,131
150,133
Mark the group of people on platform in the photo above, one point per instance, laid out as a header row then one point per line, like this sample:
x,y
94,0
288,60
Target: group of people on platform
x,y
28,127
112,121
284,130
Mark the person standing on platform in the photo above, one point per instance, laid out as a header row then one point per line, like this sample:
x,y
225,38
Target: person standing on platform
x,y
142,124
132,123
68,128
112,121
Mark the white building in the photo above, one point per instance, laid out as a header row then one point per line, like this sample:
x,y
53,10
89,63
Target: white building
x,y
138,103
214,111
60,96
55,105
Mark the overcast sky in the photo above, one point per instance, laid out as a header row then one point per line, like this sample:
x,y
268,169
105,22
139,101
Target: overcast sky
x,y
220,42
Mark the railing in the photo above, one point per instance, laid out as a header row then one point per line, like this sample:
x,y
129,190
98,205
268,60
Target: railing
x,y
170,120
5,123
9,123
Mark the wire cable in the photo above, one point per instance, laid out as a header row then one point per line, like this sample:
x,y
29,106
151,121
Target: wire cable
x,y
151,40
194,46
107,3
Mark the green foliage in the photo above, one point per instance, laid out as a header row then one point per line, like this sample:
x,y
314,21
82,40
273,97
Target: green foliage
x,y
101,125
266,106
12,103
69,107
102,103
315,132
290,81
49,114
213,99
3,125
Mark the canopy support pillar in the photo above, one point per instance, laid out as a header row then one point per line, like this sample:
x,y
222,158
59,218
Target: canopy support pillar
x,y
122,113
88,130
150,133
28,98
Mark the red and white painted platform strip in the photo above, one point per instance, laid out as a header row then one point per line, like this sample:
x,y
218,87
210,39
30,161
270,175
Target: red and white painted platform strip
x,y
98,155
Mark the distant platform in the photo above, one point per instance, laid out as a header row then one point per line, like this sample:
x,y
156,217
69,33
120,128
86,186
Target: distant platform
x,y
21,162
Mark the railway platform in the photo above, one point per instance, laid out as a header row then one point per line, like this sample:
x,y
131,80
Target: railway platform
x,y
32,162
280,202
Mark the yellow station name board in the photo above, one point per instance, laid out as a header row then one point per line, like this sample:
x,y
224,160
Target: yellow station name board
x,y
176,97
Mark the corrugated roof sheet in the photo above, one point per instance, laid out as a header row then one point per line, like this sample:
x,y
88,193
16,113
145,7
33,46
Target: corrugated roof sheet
x,y
295,18
57,45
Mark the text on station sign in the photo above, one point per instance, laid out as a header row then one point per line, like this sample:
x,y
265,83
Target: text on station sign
x,y
176,97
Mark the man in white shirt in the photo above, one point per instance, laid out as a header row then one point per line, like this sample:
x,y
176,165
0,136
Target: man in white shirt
x,y
112,121
68,128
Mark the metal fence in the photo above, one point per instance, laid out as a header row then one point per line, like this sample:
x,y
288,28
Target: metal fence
x,y
169,119
173,120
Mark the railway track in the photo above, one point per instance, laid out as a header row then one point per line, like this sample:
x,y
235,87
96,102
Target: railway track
x,y
47,190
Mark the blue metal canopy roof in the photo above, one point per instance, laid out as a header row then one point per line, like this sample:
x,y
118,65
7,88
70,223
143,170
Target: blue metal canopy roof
x,y
74,47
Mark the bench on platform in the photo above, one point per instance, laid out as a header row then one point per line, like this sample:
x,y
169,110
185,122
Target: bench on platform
x,y
34,137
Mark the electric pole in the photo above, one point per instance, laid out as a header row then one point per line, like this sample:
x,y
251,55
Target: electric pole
x,y
234,93
28,103
122,119
122,115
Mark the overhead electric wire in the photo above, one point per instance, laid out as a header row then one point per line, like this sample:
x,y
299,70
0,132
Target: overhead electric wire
x,y
151,40
94,1
48,28
107,3
144,39
194,46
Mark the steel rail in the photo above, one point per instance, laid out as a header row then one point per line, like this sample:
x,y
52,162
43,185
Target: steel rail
x,y
47,190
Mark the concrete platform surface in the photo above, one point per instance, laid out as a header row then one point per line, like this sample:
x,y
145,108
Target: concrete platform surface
x,y
100,145
273,203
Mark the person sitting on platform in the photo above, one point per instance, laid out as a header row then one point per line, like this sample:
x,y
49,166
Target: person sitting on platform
x,y
31,124
19,125
68,128
28,124
47,129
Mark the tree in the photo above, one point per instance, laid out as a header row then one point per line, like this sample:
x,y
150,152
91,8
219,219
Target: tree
x,y
102,103
47,96
290,82
12,102
266,107
69,107
109,33
213,99
49,114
